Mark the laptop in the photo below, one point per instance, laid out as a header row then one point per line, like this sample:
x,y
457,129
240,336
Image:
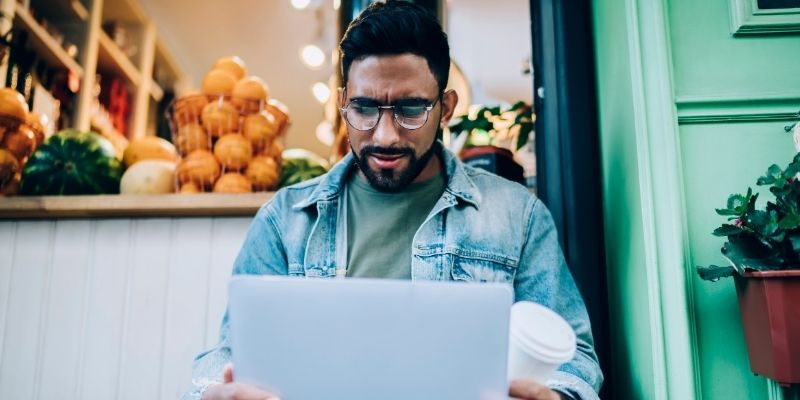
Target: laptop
x,y
354,339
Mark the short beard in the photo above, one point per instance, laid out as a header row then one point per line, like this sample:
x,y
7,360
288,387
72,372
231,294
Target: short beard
x,y
384,180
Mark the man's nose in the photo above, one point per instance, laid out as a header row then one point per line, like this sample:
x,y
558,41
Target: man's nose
x,y
386,133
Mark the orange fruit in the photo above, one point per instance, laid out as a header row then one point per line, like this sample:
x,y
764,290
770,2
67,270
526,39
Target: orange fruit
x,y
192,137
260,129
187,108
274,150
264,172
199,167
219,118
233,182
36,122
233,151
21,142
233,65
249,94
9,166
11,187
219,82
12,104
190,187
280,112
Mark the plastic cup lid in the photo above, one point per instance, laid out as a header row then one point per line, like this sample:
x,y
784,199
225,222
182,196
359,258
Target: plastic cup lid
x,y
542,332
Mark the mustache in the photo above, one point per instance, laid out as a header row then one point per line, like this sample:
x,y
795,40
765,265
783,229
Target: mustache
x,y
387,151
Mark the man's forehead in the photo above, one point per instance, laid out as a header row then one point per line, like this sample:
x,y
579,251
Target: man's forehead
x,y
392,76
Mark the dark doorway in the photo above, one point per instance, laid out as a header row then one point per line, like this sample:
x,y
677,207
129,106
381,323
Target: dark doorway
x,y
568,152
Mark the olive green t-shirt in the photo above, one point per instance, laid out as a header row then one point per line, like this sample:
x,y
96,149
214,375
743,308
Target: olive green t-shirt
x,y
381,226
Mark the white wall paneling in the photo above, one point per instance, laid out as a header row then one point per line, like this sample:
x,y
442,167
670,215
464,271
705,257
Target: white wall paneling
x,y
110,308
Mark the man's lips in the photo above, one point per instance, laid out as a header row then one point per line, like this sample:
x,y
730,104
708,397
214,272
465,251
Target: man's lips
x,y
386,161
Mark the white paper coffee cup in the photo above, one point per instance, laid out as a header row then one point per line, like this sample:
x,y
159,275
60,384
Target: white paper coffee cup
x,y
539,342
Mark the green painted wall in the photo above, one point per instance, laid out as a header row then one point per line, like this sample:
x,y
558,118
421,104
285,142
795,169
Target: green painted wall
x,y
689,113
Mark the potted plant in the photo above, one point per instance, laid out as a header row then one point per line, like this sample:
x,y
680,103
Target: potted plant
x,y
488,137
763,251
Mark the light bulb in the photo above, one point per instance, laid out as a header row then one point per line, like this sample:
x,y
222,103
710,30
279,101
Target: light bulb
x,y
325,133
321,92
312,56
300,4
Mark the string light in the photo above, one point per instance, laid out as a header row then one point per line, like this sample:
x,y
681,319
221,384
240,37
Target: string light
x,y
321,92
312,56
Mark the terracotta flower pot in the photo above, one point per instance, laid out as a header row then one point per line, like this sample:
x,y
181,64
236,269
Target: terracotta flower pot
x,y
769,302
494,159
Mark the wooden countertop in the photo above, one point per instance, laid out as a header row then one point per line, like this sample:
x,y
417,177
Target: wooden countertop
x,y
167,205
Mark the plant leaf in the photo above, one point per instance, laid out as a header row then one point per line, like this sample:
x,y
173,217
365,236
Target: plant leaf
x,y
789,222
714,273
727,230
524,135
744,252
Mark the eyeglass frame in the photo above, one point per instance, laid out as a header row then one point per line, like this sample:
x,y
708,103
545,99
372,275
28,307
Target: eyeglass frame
x,y
428,109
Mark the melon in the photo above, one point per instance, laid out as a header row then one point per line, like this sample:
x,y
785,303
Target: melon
x,y
260,129
199,167
149,177
233,151
149,148
219,118
233,183
263,172
72,162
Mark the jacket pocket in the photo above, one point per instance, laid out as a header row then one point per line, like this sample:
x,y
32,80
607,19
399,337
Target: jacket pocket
x,y
478,267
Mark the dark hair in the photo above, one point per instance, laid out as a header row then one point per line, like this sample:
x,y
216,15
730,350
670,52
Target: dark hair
x,y
393,28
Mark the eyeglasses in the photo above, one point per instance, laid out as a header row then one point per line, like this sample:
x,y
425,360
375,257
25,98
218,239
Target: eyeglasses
x,y
364,115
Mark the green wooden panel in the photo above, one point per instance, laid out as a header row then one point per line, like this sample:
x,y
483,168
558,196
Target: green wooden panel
x,y
720,159
632,364
708,59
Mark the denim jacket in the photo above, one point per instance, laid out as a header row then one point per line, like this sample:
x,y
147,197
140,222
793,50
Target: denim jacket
x,y
482,229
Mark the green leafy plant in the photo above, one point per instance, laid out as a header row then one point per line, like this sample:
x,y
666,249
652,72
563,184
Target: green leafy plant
x,y
761,239
496,126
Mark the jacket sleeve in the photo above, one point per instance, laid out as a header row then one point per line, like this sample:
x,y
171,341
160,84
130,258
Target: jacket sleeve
x,y
262,254
543,277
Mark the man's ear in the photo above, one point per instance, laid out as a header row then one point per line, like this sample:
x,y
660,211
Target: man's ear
x,y
341,93
449,102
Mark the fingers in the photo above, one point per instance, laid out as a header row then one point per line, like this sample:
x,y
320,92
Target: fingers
x,y
237,391
227,373
530,390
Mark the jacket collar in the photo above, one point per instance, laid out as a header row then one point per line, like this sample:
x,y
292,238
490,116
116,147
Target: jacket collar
x,y
459,183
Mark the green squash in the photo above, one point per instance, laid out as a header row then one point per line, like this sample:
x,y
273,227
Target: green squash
x,y
298,165
71,163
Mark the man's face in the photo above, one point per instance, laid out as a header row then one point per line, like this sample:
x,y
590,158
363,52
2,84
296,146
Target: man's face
x,y
389,155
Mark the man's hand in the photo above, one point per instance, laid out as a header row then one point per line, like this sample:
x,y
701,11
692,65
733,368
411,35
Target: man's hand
x,y
530,390
230,390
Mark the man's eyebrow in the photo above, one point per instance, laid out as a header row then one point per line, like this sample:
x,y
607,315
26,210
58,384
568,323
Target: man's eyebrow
x,y
412,99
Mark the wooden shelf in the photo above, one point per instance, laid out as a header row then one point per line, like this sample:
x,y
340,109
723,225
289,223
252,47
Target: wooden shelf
x,y
103,206
156,92
44,44
129,11
111,58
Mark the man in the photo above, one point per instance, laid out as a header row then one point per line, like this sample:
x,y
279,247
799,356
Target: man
x,y
400,206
